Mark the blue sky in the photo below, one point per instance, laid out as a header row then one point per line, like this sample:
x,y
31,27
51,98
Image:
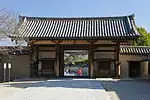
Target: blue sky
x,y
82,8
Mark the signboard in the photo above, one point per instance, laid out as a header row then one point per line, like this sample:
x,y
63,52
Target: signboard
x,y
5,65
9,65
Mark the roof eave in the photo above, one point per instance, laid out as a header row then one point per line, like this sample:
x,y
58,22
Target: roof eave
x,y
86,38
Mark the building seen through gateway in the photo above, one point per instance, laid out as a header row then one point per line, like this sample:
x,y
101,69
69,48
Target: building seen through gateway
x,y
76,63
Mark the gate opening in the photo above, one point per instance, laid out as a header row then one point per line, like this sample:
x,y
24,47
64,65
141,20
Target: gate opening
x,y
76,63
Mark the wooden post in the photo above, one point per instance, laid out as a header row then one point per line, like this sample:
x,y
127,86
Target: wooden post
x,y
117,59
32,61
91,61
61,68
37,61
57,60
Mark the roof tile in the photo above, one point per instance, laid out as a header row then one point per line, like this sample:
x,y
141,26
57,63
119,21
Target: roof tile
x,y
78,28
135,50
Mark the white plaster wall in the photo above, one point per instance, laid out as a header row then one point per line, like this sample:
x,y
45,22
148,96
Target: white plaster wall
x,y
124,71
20,66
47,55
144,70
104,55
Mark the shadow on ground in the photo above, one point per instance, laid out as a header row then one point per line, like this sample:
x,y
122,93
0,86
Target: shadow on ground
x,y
65,83
128,90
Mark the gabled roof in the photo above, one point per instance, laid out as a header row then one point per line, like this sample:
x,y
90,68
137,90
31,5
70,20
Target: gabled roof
x,y
135,50
120,27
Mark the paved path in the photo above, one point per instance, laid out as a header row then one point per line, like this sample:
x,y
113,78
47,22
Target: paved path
x,y
127,89
69,89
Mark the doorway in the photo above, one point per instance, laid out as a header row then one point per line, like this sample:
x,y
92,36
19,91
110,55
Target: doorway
x,y
134,69
47,68
76,63
103,68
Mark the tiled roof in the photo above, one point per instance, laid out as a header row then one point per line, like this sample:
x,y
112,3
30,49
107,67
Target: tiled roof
x,y
21,52
78,28
14,50
135,50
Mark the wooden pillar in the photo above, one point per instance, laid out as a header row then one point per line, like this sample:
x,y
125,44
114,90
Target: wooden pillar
x,y
91,61
57,60
117,59
31,62
61,68
36,60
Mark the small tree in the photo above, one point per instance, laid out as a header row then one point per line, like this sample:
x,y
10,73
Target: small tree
x,y
144,39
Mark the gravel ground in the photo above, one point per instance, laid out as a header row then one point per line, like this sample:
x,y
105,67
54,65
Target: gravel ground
x,y
61,89
8,91
127,89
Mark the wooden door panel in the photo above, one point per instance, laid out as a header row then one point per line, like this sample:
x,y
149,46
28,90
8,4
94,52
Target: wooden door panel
x,y
134,69
47,67
103,68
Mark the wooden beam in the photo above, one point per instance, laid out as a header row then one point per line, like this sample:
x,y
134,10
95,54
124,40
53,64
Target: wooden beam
x,y
75,47
47,50
133,61
41,59
70,42
31,42
92,41
104,50
74,41
105,59
38,42
60,42
47,45
65,42
56,41
104,45
104,42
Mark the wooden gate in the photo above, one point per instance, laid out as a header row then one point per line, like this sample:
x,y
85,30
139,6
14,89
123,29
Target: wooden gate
x,y
103,68
47,68
134,69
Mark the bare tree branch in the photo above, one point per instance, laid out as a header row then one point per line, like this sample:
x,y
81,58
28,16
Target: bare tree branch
x,y
8,22
8,27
